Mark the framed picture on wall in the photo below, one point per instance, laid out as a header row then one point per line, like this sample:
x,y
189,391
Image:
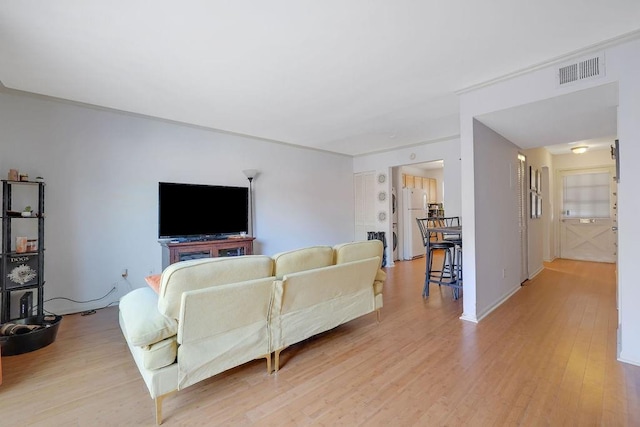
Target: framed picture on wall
x,y
615,154
538,181
538,206
533,200
532,179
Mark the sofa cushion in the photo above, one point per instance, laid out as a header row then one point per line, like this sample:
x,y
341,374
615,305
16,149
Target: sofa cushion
x,y
161,354
302,260
202,273
145,325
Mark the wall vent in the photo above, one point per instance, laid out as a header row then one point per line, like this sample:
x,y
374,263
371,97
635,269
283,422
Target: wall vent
x,y
586,69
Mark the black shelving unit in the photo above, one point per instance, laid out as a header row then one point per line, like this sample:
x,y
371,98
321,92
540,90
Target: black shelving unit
x,y
21,271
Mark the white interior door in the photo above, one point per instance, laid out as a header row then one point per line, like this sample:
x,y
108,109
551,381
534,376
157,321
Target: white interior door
x,y
586,217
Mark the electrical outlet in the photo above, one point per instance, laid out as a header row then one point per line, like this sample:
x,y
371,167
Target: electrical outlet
x,y
125,273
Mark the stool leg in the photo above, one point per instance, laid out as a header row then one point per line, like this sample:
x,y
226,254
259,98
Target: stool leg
x,y
458,267
427,274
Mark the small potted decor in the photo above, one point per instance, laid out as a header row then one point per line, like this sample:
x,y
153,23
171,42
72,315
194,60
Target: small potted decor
x,y
27,211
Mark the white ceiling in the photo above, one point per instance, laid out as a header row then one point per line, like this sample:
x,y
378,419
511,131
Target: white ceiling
x,y
351,77
587,117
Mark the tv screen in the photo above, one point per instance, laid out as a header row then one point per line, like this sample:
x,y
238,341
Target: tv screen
x,y
202,211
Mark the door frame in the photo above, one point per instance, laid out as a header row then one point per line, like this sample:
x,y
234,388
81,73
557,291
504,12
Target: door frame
x,y
523,216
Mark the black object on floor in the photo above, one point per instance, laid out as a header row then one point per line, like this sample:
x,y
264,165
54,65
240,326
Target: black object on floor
x,y
30,341
379,235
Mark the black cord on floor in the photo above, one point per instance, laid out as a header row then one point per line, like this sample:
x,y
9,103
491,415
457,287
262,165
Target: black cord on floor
x,y
83,313
83,302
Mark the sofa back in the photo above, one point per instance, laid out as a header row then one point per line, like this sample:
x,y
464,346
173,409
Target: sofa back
x,y
355,251
326,285
302,259
202,273
313,301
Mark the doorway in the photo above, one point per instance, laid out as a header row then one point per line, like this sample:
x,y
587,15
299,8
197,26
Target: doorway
x,y
426,177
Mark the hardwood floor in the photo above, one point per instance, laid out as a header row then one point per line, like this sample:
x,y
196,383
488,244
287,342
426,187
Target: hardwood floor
x,y
545,357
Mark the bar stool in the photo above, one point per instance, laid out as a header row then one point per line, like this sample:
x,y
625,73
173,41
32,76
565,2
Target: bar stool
x,y
434,241
456,239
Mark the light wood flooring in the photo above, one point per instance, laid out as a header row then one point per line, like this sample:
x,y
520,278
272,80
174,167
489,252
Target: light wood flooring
x,y
547,357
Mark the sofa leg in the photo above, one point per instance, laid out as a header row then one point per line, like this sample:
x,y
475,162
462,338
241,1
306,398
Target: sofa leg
x,y
277,359
378,315
158,401
268,357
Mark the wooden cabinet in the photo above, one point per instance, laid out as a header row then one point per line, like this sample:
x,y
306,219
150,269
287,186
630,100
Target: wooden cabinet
x,y
429,184
173,252
410,181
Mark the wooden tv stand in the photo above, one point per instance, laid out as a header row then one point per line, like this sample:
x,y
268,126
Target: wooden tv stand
x,y
182,251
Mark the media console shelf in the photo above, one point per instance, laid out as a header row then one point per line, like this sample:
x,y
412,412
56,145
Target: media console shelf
x,y
182,251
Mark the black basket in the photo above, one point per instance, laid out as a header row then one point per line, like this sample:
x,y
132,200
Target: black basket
x,y
33,340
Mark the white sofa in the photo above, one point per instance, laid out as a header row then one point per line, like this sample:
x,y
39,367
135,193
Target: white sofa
x,y
213,314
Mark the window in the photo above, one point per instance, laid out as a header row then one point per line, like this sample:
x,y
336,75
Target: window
x,y
586,195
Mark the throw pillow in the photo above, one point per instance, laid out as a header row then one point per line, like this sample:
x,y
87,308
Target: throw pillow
x,y
154,282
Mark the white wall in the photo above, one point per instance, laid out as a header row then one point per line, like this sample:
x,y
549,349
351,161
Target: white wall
x,y
628,57
102,171
623,67
498,246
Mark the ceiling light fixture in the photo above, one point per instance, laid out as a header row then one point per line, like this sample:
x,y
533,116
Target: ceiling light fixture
x,y
579,150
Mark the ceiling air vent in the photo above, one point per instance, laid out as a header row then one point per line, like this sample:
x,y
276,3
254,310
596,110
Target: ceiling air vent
x,y
582,70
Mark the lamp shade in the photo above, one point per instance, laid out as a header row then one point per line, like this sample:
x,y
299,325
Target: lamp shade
x,y
250,173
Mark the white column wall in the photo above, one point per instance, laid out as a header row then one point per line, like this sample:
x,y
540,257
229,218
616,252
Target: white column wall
x,y
629,202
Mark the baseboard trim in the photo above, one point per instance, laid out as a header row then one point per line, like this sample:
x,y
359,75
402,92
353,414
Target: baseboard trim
x,y
538,271
499,303
471,319
630,362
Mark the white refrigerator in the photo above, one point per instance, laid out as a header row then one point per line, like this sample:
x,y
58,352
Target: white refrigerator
x,y
414,205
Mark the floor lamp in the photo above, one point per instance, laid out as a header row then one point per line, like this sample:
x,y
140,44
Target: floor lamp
x,y
251,174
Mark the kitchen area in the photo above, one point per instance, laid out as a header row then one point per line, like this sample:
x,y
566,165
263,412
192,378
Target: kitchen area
x,y
420,194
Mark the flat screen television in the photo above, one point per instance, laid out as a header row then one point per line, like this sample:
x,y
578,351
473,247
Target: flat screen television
x,y
193,211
